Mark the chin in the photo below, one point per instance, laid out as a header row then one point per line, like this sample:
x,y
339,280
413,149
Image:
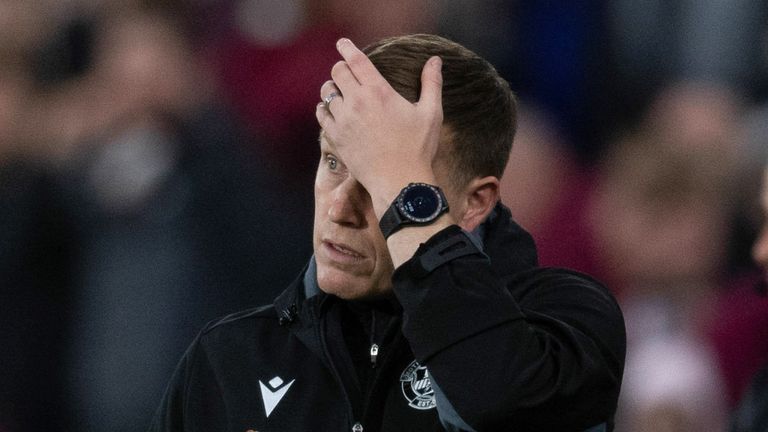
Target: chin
x,y
338,283
348,287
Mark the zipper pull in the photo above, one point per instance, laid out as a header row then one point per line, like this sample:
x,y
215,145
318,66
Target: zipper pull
x,y
374,354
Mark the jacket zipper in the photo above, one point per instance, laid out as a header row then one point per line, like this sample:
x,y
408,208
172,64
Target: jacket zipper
x,y
377,375
374,354
335,371
374,345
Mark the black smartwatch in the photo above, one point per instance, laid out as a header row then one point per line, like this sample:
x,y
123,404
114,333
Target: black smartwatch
x,y
417,204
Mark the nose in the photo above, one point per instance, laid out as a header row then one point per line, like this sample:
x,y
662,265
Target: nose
x,y
760,249
348,204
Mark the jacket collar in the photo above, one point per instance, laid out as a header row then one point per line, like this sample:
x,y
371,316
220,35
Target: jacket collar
x,y
296,302
510,247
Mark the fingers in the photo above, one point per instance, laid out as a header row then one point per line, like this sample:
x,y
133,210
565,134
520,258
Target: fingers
x,y
325,118
359,64
432,84
327,88
331,96
344,78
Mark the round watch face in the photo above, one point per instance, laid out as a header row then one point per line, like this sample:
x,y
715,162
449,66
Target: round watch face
x,y
420,203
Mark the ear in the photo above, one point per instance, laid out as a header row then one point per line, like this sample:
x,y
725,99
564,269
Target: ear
x,y
481,196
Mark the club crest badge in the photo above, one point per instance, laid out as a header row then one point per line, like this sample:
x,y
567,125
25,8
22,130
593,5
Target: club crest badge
x,y
417,388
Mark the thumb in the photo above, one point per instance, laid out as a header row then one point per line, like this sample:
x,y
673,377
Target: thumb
x,y
432,83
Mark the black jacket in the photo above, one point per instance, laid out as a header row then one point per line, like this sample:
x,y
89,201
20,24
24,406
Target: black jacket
x,y
475,340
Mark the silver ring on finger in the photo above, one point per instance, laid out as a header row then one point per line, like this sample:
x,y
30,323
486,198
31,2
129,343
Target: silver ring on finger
x,y
328,99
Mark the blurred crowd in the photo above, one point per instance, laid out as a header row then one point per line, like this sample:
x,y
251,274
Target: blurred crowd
x,y
157,160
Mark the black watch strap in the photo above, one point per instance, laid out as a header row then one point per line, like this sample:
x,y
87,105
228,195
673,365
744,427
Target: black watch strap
x,y
391,222
405,209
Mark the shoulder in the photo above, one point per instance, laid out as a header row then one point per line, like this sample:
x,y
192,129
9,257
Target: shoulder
x,y
563,298
569,297
244,317
239,327
560,282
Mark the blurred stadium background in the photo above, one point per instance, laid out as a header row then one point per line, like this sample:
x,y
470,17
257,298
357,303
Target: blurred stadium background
x,y
157,157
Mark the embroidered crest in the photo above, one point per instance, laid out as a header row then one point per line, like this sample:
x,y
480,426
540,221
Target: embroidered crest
x,y
417,388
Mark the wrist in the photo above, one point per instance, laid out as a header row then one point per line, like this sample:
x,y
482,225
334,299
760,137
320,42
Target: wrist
x,y
417,204
403,244
385,193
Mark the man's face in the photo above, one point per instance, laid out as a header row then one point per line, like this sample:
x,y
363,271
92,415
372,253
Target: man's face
x,y
353,261
351,253
760,250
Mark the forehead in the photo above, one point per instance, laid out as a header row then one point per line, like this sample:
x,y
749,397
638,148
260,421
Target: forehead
x,y
444,149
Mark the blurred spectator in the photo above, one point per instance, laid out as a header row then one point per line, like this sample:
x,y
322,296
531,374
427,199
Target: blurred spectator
x,y
660,218
15,90
654,182
175,224
35,251
35,272
146,219
755,137
752,413
548,190
740,325
537,170
739,333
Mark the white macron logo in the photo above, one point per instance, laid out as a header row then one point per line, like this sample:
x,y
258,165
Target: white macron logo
x,y
273,393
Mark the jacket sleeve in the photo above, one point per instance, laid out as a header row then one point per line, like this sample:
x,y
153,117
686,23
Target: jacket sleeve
x,y
192,401
540,350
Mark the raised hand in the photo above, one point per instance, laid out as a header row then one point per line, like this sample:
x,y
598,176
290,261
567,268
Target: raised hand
x,y
384,140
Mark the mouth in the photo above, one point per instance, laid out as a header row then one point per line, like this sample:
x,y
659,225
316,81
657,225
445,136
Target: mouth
x,y
342,249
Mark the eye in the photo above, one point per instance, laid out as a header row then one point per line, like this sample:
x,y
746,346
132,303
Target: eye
x,y
332,162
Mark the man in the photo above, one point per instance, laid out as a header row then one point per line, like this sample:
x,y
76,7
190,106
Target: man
x,y
751,414
426,314
760,248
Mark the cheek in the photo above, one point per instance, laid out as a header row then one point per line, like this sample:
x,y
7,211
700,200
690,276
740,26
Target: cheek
x,y
384,260
384,267
321,212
